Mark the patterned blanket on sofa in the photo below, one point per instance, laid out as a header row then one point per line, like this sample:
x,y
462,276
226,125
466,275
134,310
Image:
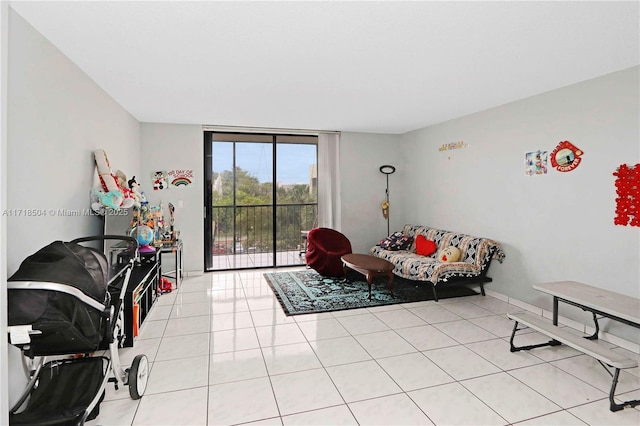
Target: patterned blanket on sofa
x,y
476,256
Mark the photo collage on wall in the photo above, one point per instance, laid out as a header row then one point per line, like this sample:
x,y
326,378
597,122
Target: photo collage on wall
x,y
564,158
163,179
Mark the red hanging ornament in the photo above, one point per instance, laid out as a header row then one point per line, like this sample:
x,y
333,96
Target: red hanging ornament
x,y
628,190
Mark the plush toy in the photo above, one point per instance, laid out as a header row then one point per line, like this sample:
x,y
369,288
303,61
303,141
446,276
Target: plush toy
x,y
111,199
114,193
129,198
122,179
108,180
449,254
138,197
96,204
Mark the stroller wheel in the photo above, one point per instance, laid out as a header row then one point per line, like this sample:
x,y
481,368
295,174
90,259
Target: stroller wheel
x,y
138,376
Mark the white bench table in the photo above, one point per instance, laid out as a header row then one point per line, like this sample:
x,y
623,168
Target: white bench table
x,y
598,301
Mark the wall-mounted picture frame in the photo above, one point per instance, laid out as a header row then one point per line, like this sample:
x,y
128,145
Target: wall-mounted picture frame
x,y
535,163
566,157
159,179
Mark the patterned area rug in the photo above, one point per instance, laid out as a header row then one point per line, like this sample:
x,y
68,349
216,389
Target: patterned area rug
x,y
306,292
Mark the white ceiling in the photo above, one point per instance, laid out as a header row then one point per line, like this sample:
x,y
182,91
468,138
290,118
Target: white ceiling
x,y
383,67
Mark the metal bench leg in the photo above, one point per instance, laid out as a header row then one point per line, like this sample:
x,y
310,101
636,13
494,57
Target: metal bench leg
x,y
612,404
514,348
594,336
482,289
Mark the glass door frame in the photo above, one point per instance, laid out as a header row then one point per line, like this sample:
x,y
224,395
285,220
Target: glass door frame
x,y
208,193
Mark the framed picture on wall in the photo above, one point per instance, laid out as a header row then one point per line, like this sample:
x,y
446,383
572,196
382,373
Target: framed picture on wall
x,y
535,163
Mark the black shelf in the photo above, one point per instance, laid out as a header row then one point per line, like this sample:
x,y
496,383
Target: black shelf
x,y
142,292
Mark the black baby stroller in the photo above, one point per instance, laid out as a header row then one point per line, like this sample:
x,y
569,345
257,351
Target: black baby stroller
x,y
67,300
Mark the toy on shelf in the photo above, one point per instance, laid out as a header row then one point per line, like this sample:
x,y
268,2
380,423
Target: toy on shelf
x,y
144,235
111,192
141,228
158,223
127,193
138,197
172,218
172,233
101,200
165,232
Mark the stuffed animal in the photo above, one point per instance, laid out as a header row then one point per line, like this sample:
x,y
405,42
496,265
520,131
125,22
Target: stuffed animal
x,y
449,254
129,198
108,180
111,199
138,197
115,193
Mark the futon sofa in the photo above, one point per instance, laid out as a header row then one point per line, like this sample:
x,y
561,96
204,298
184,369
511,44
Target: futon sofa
x,y
476,254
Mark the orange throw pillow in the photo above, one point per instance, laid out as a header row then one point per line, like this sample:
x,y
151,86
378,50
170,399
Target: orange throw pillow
x,y
425,247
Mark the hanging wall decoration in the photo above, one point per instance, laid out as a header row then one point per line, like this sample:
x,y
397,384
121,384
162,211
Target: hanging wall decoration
x,y
387,170
566,157
181,177
628,195
159,179
535,163
453,145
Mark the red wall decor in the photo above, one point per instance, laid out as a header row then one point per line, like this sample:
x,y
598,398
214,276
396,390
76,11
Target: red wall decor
x,y
628,199
566,157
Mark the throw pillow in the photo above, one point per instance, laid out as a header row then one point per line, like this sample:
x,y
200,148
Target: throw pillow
x,y
396,241
425,247
449,254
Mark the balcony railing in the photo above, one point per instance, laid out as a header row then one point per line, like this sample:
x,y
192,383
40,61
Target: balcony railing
x,y
248,229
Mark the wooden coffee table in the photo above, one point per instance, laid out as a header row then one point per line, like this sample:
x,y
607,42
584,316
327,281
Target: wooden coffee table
x,y
370,267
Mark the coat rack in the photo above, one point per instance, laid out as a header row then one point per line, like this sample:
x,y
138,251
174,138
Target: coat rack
x,y
386,170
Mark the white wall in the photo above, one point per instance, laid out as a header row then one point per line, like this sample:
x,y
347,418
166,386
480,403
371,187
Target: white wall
x,y
170,147
4,346
361,155
552,227
557,226
363,186
56,117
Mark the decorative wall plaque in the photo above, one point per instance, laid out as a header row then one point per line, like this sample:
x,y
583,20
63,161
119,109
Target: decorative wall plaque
x,y
566,157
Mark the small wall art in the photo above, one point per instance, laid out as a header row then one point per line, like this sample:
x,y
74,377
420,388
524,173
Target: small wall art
x,y
159,179
181,177
453,145
535,163
628,195
566,157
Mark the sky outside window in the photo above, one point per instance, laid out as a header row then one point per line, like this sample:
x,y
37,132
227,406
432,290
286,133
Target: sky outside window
x,y
256,158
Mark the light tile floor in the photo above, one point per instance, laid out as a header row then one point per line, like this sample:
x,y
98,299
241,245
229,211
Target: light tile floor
x,y
222,352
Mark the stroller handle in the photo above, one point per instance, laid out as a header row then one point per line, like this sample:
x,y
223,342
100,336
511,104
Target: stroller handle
x,y
106,237
132,241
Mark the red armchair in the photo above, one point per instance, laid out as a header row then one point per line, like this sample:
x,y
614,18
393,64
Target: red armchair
x,y
325,247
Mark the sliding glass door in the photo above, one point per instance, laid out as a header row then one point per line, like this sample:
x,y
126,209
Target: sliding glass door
x,y
260,197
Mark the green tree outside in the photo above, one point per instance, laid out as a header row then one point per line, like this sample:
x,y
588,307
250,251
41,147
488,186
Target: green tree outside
x,y
253,216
